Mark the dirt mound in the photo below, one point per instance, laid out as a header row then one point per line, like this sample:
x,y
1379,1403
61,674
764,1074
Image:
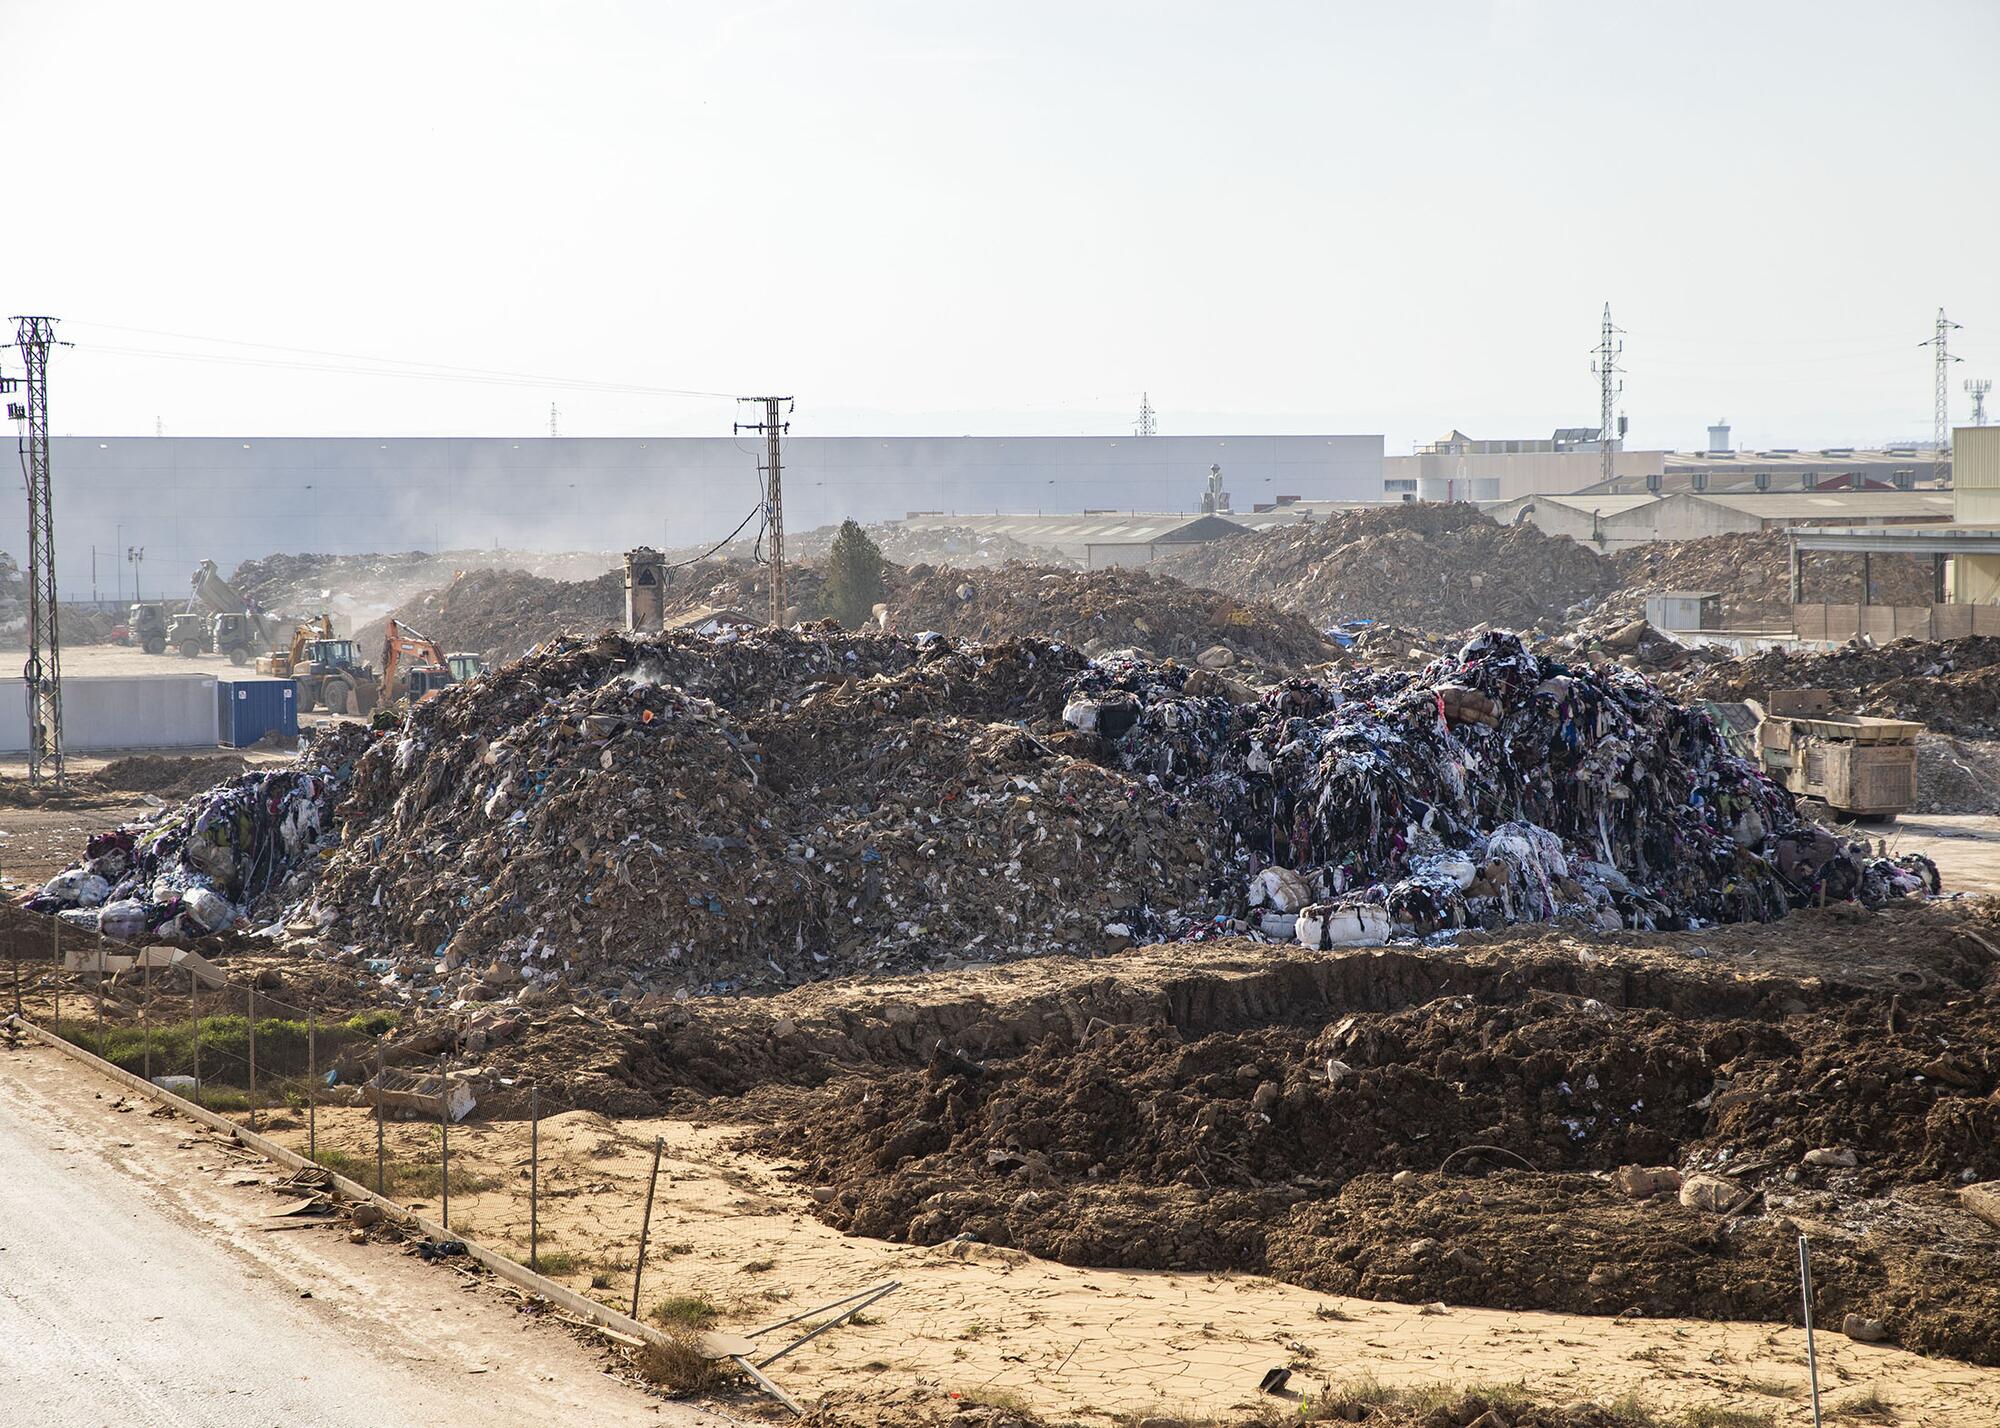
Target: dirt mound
x,y
361,588
1428,566
501,614
1953,686
1957,775
1280,1147
956,546
169,777
1101,610
1752,574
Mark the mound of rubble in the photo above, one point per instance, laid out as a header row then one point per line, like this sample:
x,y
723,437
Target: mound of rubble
x,y
501,614
956,546
703,813
365,587
1953,686
1752,574
1103,610
1428,566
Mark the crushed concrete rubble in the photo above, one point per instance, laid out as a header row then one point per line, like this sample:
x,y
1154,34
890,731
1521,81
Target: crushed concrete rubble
x,y
202,867
1427,566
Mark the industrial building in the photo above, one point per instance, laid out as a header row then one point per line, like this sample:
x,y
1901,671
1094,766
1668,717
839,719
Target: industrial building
x,y
227,499
1457,467
1613,522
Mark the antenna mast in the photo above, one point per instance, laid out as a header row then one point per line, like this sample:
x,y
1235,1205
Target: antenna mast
x,y
1979,387
1145,426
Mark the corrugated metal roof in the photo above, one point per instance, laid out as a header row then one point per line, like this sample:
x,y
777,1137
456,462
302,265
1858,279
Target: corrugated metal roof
x,y
1830,505
1107,528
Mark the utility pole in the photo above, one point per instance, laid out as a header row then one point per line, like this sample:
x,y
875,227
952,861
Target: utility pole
x,y
1145,426
774,492
1609,389
1979,387
43,671
1941,418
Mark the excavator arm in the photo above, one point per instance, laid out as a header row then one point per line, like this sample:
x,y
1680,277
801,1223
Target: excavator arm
x,y
405,651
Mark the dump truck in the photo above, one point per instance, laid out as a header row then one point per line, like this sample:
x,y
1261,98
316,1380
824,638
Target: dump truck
x,y
146,627
1855,765
327,670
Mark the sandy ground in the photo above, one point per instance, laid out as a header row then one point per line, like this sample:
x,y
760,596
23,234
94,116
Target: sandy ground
x,y
1965,846
1087,1344
143,1284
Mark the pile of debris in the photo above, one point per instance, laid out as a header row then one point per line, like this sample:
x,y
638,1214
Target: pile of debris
x,y
1952,686
1752,574
501,614
1432,567
1495,787
203,867
682,813
364,587
13,601
1103,610
956,546
685,813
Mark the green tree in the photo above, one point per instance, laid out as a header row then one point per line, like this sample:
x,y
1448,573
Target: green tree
x,y
854,583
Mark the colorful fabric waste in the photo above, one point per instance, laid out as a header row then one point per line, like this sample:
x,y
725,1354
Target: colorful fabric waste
x,y
1496,786
198,869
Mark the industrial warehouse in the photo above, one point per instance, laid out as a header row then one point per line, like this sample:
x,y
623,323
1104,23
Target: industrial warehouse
x,y
794,717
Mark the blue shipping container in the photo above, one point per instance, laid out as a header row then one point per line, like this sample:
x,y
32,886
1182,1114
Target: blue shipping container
x,y
248,709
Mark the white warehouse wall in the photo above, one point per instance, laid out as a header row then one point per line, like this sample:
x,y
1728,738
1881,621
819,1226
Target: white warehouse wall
x,y
186,499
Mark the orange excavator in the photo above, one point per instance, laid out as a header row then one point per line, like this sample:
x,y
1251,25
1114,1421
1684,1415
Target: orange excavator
x,y
414,666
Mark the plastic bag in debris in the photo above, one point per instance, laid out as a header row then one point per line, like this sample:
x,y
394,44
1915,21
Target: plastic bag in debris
x,y
209,911
1361,924
77,887
124,919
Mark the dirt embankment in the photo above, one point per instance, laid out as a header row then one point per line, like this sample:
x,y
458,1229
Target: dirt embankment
x,y
501,614
1261,1116
1430,567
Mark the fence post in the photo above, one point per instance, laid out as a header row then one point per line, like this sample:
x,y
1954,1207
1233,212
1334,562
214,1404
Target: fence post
x,y
534,1175
1805,1297
380,1112
646,1224
312,1086
55,941
146,1006
444,1139
14,952
250,1002
194,1015
100,996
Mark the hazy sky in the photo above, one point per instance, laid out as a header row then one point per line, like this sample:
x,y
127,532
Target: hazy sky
x,y
940,218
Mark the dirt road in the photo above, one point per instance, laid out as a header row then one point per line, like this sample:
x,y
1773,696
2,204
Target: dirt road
x,y
138,1284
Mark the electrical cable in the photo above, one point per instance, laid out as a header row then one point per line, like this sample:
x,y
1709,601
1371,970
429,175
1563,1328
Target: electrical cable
x,y
386,361
682,564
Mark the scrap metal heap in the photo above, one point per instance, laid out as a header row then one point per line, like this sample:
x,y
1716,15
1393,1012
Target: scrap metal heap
x,y
680,812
